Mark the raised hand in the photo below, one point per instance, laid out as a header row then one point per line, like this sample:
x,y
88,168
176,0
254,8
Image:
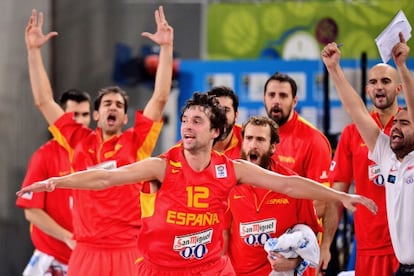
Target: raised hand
x,y
165,33
34,36
331,55
400,51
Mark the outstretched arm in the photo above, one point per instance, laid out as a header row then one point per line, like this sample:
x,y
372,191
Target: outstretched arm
x,y
296,186
400,53
164,37
148,169
41,88
350,99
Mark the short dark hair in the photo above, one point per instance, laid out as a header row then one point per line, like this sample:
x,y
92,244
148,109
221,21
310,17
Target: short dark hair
x,y
283,78
217,114
108,90
75,95
263,121
224,91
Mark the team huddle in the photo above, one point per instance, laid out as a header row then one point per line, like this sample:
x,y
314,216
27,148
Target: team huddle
x,y
101,204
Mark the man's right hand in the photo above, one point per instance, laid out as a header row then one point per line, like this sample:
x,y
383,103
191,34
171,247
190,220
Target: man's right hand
x,y
34,36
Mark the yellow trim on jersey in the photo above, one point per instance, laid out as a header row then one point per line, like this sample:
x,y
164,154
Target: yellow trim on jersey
x,y
57,135
147,204
150,141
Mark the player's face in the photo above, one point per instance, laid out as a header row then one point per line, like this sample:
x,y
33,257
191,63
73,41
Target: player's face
x,y
383,86
256,146
402,134
111,115
196,132
231,115
81,110
279,102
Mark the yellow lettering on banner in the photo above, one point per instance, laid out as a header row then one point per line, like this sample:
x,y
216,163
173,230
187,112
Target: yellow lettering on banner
x,y
192,219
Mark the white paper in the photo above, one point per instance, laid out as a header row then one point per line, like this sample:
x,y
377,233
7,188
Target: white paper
x,y
390,35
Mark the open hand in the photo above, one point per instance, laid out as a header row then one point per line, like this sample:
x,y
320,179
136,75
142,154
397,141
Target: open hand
x,y
34,36
350,201
47,185
165,33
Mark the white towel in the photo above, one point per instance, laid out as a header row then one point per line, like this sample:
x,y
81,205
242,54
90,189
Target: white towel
x,y
298,241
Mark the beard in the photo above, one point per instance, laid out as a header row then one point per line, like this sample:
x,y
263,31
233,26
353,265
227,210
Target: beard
x,y
281,118
402,150
227,130
263,161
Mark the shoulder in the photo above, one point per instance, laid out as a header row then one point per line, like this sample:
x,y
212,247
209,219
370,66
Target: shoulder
x,y
310,132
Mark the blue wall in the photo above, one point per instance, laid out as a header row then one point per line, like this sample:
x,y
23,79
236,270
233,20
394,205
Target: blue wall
x,y
247,78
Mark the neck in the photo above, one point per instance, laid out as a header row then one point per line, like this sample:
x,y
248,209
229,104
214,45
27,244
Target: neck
x,y
386,114
222,145
198,160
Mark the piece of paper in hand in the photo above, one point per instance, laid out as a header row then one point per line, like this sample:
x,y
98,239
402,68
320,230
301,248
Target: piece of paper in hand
x,y
390,35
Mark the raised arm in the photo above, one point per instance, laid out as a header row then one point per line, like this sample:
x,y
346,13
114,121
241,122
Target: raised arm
x,y
164,37
41,88
148,169
400,53
350,99
296,186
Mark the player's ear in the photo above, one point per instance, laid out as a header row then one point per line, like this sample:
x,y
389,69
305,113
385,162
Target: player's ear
x,y
95,115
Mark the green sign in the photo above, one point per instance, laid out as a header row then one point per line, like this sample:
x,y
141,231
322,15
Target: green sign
x,y
299,29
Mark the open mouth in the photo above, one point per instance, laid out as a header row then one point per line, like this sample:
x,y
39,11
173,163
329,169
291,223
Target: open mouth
x,y
111,119
253,157
396,137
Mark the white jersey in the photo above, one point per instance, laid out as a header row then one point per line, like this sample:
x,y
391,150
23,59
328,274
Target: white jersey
x,y
399,190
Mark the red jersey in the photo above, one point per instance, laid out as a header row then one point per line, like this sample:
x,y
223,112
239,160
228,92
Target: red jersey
x,y
109,217
48,161
351,163
304,149
258,214
182,224
233,151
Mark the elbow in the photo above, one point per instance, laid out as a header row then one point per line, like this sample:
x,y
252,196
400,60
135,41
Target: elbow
x,y
38,104
162,100
28,214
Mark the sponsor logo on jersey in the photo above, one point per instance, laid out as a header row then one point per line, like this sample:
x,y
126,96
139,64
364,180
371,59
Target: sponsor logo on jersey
x,y
175,171
332,167
28,195
238,196
193,245
256,233
409,180
258,227
391,179
324,175
221,171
